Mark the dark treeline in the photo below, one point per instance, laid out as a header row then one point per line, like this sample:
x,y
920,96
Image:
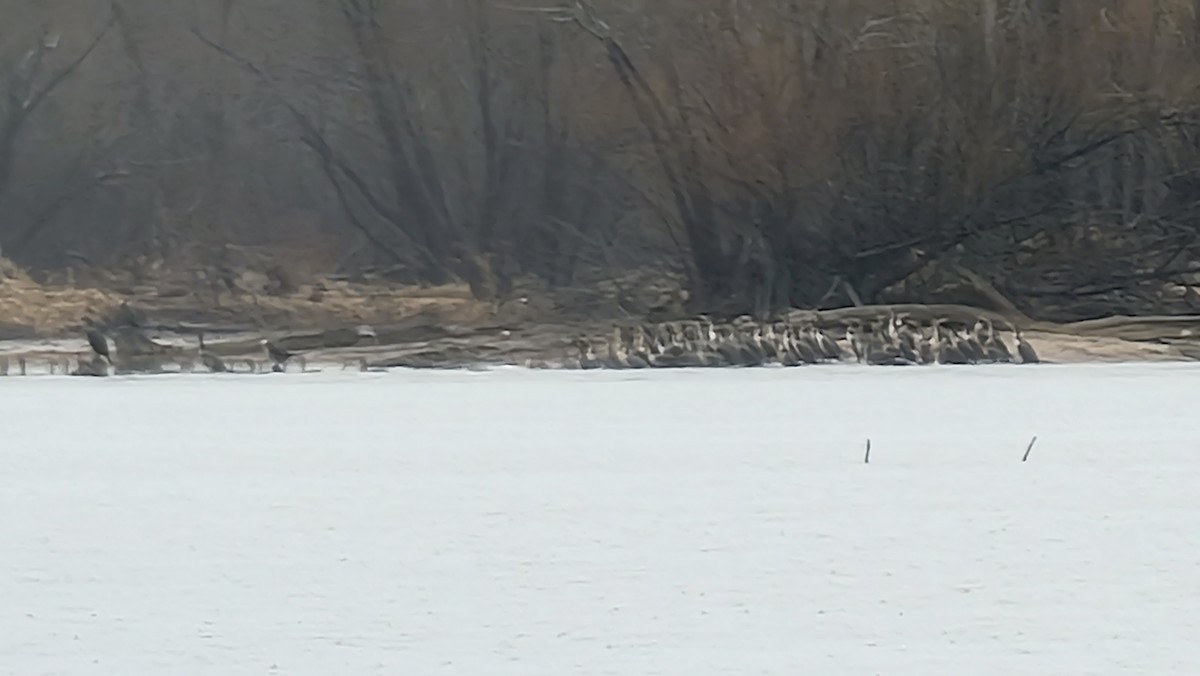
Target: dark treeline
x,y
769,152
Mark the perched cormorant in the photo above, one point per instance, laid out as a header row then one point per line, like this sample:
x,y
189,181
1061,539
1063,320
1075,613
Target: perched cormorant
x,y
808,349
211,361
997,351
587,355
927,350
948,349
621,354
613,358
641,350
856,341
909,354
278,355
1028,355
97,340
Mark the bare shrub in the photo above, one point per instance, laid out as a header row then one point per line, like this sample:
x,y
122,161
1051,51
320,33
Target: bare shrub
x,y
773,153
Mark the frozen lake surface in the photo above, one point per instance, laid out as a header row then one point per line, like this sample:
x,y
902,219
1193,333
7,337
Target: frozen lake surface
x,y
557,523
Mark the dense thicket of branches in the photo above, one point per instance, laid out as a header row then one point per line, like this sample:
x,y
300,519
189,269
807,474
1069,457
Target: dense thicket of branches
x,y
772,152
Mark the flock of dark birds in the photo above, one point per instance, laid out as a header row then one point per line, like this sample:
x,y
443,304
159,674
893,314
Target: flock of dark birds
x,y
102,361
130,351
895,340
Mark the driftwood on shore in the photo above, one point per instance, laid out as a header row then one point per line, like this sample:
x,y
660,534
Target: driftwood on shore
x,y
422,342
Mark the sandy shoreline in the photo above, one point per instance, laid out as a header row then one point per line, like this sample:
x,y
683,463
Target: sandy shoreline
x,y
1067,349
528,346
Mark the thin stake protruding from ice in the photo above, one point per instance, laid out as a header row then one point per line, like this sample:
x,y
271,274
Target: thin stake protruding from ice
x,y
1029,448
867,457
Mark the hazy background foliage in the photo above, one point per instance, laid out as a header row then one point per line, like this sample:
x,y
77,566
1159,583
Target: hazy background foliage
x,y
769,152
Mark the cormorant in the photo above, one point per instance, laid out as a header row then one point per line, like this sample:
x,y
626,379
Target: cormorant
x,y
277,355
97,340
211,361
788,354
1028,355
826,346
948,349
725,348
587,356
970,345
613,358
808,349
622,352
927,351
748,350
996,349
640,350
856,342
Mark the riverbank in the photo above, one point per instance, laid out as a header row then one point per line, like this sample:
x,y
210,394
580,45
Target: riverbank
x,y
446,327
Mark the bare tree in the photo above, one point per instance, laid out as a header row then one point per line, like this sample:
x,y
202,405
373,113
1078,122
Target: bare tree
x,y
439,200
776,153
27,84
795,164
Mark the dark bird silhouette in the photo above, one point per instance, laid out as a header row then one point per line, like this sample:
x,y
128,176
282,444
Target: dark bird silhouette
x,y
997,351
855,339
97,340
809,350
1028,355
278,356
587,355
948,349
211,361
827,346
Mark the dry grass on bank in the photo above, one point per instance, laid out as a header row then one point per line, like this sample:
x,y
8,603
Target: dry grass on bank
x,y
50,309
47,310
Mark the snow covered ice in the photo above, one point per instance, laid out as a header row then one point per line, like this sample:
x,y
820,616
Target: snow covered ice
x,y
558,523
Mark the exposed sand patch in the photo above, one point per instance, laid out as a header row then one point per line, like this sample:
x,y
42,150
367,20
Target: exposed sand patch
x,y
1068,349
